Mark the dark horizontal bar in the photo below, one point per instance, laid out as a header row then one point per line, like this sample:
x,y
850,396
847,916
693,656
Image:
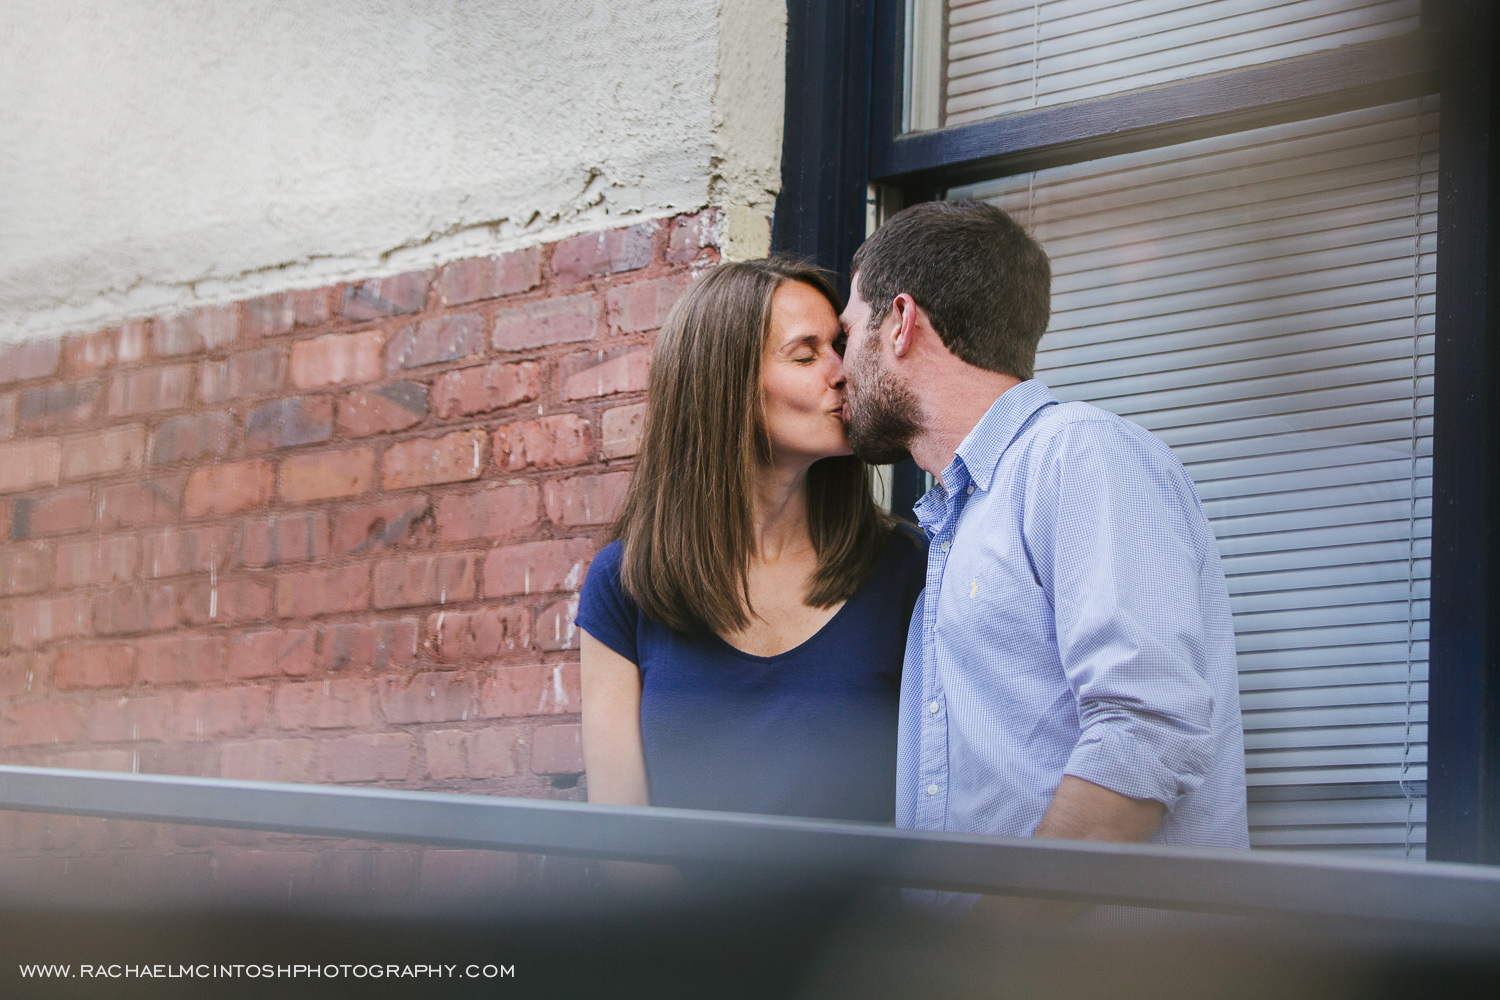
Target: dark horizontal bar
x,y
1321,83
1126,874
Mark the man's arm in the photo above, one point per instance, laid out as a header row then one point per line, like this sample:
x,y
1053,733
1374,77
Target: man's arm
x,y
1082,810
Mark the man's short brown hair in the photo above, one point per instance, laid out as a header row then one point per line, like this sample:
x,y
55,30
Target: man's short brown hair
x,y
985,284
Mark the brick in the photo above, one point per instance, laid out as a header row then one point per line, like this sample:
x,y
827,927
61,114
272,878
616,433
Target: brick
x,y
399,295
606,373
37,621
336,359
135,393
586,499
26,465
23,362
611,252
288,652
432,696
191,439
19,674
385,757
176,551
205,329
687,236
55,513
380,645
400,522
557,750
40,723
96,560
453,753
492,513
130,720
439,579
144,502
94,667
620,430
467,874
490,277
485,388
238,599
97,760
87,353
152,501
269,760
547,689
87,456
229,488
382,409
433,341
555,626
425,461
25,570
477,636
335,704
548,442
287,423
9,408
566,320
246,374
538,567
323,591
643,305
126,609
220,712
57,406
273,315
262,875
327,474
284,538
180,659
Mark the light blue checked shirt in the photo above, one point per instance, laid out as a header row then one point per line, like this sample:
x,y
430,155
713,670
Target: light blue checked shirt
x,y
1076,622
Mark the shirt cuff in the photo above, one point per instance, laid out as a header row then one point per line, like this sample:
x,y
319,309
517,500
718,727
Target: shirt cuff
x,y
1125,763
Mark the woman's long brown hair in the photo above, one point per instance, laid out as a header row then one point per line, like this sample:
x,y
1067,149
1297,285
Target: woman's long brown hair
x,y
687,523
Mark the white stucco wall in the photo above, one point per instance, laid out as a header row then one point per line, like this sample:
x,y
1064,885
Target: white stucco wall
x,y
157,154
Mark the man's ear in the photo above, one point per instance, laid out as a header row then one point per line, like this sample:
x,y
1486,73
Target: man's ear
x,y
904,309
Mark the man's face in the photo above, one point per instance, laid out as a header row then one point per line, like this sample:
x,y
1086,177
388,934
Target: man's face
x,y
881,415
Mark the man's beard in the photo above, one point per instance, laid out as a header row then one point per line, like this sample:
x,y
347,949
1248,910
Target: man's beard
x,y
883,415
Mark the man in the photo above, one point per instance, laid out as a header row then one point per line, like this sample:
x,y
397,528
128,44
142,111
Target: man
x,y
1070,669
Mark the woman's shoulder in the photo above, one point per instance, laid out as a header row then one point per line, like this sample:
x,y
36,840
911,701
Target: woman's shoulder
x,y
908,547
604,571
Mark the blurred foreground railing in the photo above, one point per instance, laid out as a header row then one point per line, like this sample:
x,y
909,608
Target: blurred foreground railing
x,y
1135,875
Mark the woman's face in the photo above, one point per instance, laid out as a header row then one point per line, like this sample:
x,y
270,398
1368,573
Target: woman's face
x,y
802,377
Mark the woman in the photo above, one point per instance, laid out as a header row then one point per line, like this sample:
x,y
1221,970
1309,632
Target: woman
x,y
743,635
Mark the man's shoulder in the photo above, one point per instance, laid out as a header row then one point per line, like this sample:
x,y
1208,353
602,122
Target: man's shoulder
x,y
1082,421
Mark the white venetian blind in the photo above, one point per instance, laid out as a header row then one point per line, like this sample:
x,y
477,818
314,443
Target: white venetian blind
x,y
1263,302
1009,55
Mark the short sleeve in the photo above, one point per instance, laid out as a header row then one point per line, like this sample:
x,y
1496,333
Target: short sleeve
x,y
605,611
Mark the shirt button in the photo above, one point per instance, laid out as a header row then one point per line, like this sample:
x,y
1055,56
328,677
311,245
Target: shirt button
x,y
946,546
933,708
970,490
932,789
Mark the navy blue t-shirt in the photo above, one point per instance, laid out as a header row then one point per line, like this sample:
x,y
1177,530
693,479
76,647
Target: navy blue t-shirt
x,y
809,732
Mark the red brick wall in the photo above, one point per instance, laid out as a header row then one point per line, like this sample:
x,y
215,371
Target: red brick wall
x,y
331,535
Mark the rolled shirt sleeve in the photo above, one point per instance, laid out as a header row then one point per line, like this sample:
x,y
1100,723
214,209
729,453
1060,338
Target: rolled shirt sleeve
x,y
1112,531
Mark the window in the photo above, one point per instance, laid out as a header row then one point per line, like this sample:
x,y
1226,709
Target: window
x,y
1258,259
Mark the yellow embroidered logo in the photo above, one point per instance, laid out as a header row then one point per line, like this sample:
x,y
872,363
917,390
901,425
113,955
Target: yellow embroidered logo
x,y
973,588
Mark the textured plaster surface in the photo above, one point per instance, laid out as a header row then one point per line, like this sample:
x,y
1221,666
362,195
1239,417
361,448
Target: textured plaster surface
x,y
160,154
749,109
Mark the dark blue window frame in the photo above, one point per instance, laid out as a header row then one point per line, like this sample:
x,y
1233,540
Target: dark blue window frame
x,y
841,136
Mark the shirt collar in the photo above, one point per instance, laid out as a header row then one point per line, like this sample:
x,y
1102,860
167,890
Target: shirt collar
x,y
979,453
